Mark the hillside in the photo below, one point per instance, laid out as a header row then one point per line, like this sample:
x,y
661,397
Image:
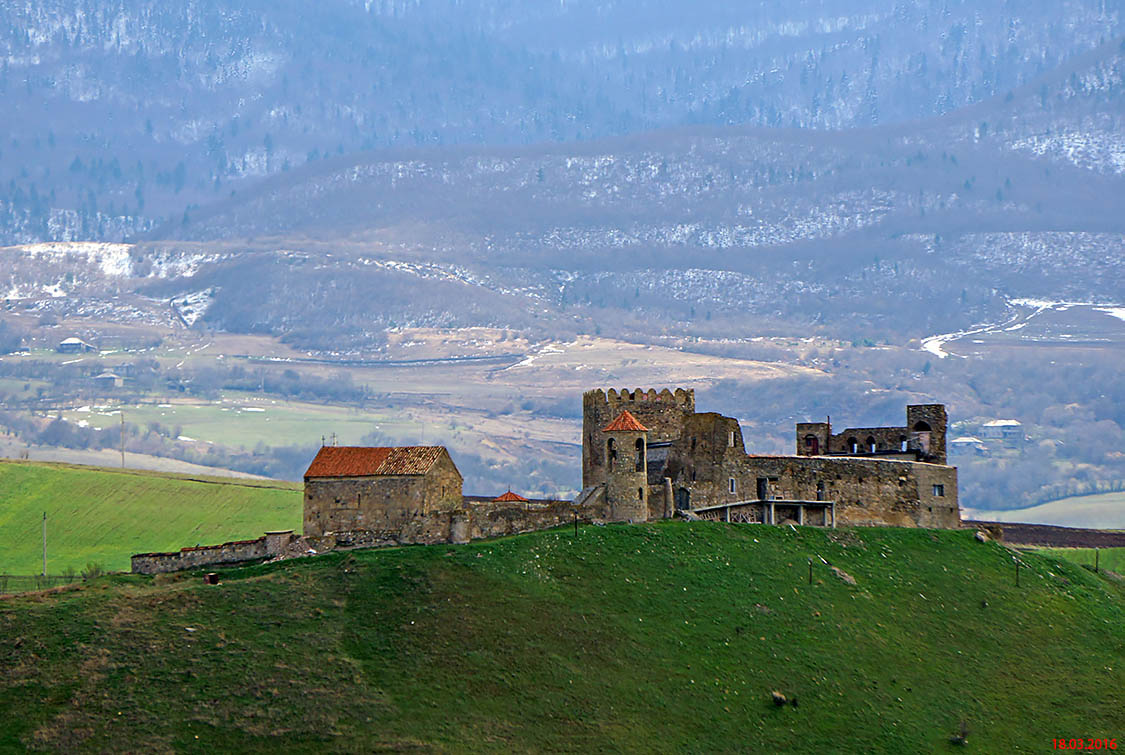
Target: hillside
x,y
105,515
1017,196
656,638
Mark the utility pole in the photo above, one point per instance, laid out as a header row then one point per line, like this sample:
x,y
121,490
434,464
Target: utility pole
x,y
44,544
123,437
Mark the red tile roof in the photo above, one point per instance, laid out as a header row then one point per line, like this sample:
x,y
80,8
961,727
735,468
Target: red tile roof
x,y
510,497
624,421
356,461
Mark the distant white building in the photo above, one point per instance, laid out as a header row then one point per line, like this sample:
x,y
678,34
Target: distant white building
x,y
74,346
968,444
1008,430
108,381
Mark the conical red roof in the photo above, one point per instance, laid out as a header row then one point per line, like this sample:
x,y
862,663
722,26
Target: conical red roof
x,y
510,497
624,421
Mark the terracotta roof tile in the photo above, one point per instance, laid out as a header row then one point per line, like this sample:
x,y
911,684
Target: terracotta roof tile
x,y
624,421
510,497
357,461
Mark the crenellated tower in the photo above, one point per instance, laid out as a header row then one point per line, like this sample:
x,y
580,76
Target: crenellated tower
x,y
664,414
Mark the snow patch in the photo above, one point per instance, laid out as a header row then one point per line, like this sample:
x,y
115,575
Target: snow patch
x,y
112,259
1118,312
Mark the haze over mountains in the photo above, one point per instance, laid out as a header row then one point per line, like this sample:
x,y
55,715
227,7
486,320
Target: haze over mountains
x,y
154,107
951,152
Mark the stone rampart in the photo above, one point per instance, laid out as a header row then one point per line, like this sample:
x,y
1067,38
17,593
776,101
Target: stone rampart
x,y
235,552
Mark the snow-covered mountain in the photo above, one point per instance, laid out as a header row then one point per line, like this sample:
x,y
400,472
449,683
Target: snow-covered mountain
x,y
119,115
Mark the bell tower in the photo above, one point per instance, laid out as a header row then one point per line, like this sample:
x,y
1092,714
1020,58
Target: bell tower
x,y
626,456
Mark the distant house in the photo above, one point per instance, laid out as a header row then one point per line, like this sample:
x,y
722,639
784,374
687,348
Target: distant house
x,y
108,381
1010,431
74,346
968,444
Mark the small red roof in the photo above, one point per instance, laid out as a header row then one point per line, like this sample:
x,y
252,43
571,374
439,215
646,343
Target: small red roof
x,y
510,497
624,421
358,461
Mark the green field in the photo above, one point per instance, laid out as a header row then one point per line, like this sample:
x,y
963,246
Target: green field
x,y
105,515
1111,559
1099,511
243,421
664,637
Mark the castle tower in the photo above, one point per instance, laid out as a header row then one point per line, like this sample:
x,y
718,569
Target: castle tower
x,y
626,465
663,412
927,424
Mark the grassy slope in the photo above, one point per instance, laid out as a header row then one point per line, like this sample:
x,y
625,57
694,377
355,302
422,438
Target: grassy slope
x,y
105,515
1112,559
654,638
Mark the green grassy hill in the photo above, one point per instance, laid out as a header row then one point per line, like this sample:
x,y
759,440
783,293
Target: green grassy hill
x,y
106,515
658,638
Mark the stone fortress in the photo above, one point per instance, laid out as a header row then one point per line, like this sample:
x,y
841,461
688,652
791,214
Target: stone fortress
x,y
646,455
655,456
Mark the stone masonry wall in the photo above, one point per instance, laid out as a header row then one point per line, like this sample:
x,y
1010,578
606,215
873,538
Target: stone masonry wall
x,y
866,491
926,445
499,519
234,552
709,465
362,503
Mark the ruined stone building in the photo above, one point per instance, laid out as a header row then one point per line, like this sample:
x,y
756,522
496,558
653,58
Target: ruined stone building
x,y
645,455
654,455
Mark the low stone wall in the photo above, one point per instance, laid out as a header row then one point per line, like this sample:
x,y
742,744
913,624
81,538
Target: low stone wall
x,y
498,519
479,519
238,551
476,520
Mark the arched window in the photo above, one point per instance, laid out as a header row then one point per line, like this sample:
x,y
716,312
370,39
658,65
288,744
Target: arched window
x,y
611,452
812,444
902,444
640,494
853,445
922,431
870,444
639,463
820,491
